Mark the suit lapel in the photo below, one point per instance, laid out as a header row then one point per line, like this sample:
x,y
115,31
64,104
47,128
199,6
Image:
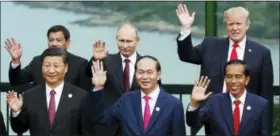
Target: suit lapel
x,y
63,104
43,106
227,112
248,55
134,84
156,113
224,48
246,113
138,111
118,71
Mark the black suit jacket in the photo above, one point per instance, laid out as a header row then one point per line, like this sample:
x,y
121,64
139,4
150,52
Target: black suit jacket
x,y
76,74
212,55
114,88
3,131
34,115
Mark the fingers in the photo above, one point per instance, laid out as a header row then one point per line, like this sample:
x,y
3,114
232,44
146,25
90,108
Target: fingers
x,y
185,9
20,97
207,95
193,15
101,66
14,41
200,81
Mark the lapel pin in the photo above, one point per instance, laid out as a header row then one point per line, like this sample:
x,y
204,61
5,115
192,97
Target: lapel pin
x,y
248,107
70,95
157,108
250,50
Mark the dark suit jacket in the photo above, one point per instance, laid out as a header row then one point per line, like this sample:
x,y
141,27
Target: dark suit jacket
x,y
3,131
114,88
76,74
212,55
34,115
218,112
167,121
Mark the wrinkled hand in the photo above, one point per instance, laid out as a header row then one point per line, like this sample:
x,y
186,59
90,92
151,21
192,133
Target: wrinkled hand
x,y
199,89
98,74
14,49
184,16
99,51
14,102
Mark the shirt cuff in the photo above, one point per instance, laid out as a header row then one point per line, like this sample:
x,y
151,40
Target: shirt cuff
x,y
184,34
14,65
190,108
15,114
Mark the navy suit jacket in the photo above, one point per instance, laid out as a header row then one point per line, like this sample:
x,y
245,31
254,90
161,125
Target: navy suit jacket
x,y
168,121
212,55
218,112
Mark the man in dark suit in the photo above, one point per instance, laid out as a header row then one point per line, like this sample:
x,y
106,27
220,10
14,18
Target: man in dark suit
x,y
120,72
52,108
235,113
3,131
147,111
213,53
58,37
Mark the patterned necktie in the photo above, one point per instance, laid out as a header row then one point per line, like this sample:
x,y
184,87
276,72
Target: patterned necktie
x,y
236,117
52,107
126,75
147,113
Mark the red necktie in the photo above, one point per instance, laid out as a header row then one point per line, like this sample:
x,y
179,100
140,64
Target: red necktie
x,y
236,117
126,75
52,107
233,55
147,113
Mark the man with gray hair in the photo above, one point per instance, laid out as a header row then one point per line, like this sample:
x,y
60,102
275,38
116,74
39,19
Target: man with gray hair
x,y
120,72
213,53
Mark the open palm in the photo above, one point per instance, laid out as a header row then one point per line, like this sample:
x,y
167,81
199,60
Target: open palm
x,y
14,49
98,73
14,102
99,51
184,17
199,89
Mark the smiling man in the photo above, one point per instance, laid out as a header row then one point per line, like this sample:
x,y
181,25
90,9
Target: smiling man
x,y
148,111
213,53
235,113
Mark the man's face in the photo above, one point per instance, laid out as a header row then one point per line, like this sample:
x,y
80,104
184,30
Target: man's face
x,y
127,41
235,79
57,40
236,26
147,75
54,70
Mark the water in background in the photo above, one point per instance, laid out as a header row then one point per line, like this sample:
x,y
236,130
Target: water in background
x,y
29,27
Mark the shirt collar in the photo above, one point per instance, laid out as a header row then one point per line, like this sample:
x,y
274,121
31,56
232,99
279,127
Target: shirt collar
x,y
132,58
241,44
58,89
153,95
241,99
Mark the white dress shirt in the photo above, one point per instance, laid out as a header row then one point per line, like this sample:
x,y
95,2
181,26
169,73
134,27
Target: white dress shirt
x,y
152,101
241,105
58,92
132,62
240,49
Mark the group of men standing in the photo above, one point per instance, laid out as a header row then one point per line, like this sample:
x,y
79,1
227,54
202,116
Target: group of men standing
x,y
121,94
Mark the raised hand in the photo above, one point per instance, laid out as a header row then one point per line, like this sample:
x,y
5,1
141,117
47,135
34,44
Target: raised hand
x,y
14,102
184,16
199,89
14,49
98,74
99,52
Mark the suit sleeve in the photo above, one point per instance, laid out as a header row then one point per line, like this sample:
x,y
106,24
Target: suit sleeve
x,y
267,84
85,81
3,131
107,116
265,130
188,53
178,121
20,123
18,76
200,116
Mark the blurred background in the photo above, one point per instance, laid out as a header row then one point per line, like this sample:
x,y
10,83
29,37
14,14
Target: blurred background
x,y
157,22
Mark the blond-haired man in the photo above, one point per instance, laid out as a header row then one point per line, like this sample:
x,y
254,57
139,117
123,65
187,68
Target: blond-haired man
x,y
213,53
